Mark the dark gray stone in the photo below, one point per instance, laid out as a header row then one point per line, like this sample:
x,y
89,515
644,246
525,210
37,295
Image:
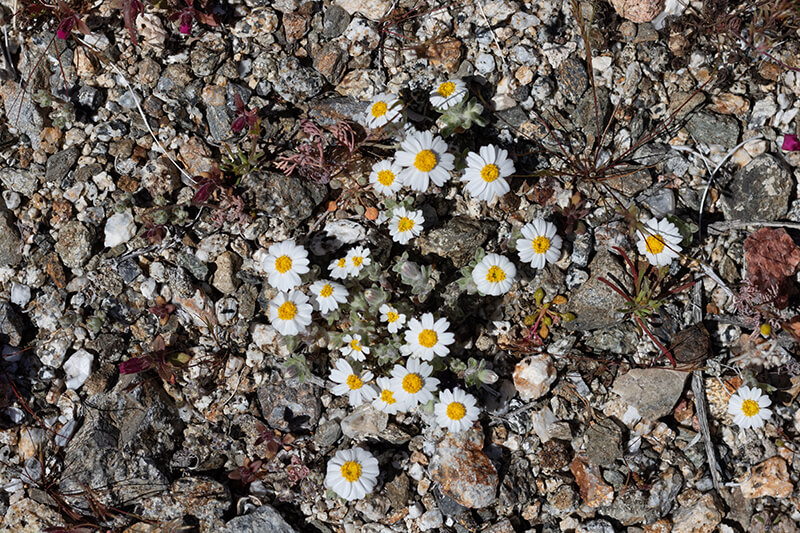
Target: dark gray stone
x,y
631,507
652,391
604,442
711,128
595,526
594,303
572,78
219,121
10,252
758,191
297,83
664,491
74,244
286,198
264,520
457,240
204,61
129,270
22,114
334,22
288,405
12,324
90,97
23,182
60,163
196,268
329,111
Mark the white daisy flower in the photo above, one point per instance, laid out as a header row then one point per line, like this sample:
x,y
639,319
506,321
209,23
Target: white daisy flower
x,y
749,407
393,318
456,410
659,242
494,275
385,177
426,338
486,173
328,295
448,94
387,399
384,109
539,244
412,383
424,158
356,259
352,474
353,347
290,313
284,263
338,268
354,385
405,225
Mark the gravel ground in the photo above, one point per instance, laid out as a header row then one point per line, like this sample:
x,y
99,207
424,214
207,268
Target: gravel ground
x,y
639,377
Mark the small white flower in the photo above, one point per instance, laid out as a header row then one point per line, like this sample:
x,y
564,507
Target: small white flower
x,y
328,295
385,177
353,347
387,398
290,313
284,263
456,410
749,407
352,474
338,268
393,318
354,385
494,275
448,94
539,244
659,242
384,109
486,173
405,225
424,158
357,258
412,383
426,338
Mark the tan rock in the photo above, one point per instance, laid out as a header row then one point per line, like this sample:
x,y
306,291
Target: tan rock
x,y
464,472
638,10
769,478
594,491
698,513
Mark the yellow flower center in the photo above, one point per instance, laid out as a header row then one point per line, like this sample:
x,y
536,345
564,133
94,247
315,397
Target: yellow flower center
x,y
283,264
354,382
379,109
355,345
342,262
456,411
412,383
351,471
446,89
405,224
388,396
357,260
287,311
386,177
655,244
326,291
428,338
541,245
750,408
425,161
489,173
765,330
392,316
495,274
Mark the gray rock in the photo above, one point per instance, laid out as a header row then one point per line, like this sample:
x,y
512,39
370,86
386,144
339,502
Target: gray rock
x,y
219,121
631,184
463,470
10,243
652,391
661,203
204,60
329,111
264,520
297,83
12,324
594,303
711,128
286,198
21,112
758,191
129,270
595,526
225,280
90,98
286,405
193,265
697,512
572,78
23,182
60,163
74,244
327,433
365,421
457,240
664,491
604,442
631,507
334,22
582,248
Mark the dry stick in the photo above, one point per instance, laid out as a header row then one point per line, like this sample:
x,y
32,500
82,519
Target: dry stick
x,y
718,228
700,403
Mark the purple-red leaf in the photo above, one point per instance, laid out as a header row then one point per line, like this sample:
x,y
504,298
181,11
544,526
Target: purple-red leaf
x,y
790,143
135,365
130,10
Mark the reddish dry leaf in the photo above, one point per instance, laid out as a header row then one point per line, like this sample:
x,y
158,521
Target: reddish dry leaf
x,y
371,213
772,258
